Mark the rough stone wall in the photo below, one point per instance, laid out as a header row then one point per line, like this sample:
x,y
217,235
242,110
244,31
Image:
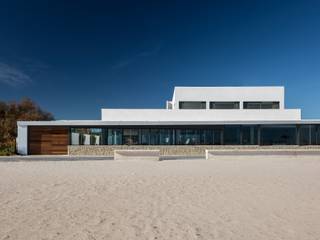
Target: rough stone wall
x,y
171,150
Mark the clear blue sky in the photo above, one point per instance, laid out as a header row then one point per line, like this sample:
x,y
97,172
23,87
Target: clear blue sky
x,y
75,57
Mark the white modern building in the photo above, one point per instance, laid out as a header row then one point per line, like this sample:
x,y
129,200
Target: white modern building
x,y
194,116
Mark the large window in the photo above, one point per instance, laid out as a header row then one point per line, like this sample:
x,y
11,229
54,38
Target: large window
x,y
217,136
249,135
261,105
192,105
231,135
130,136
114,136
166,136
145,136
187,136
309,135
196,135
86,136
278,135
206,136
224,105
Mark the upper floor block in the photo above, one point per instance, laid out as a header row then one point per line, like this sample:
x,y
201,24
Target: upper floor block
x,y
227,98
197,105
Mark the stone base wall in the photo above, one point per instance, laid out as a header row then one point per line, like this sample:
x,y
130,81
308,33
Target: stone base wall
x,y
171,150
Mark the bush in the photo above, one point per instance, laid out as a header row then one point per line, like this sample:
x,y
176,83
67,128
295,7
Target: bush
x,y
10,113
7,150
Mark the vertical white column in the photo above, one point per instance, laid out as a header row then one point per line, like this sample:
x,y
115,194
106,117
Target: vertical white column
x,y
22,140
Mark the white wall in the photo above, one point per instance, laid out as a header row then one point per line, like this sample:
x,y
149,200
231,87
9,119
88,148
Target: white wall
x,y
208,94
228,94
123,115
22,140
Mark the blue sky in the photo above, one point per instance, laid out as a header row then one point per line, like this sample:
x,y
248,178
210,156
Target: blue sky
x,y
75,57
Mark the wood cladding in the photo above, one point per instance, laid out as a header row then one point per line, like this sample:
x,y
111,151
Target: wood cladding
x,y
48,140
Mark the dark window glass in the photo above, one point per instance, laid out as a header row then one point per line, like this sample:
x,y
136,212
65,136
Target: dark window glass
x,y
318,135
188,136
217,137
308,135
206,136
251,105
166,136
192,105
154,137
86,136
114,136
261,105
130,136
231,135
305,135
249,135
145,137
313,134
278,135
224,105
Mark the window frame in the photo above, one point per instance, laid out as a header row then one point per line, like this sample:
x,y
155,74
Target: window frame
x,y
201,104
236,105
261,104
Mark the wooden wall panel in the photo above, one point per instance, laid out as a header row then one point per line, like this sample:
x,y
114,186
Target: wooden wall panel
x,y
48,140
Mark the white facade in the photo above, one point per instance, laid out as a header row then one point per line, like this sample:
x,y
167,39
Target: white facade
x,y
172,115
239,94
207,115
211,94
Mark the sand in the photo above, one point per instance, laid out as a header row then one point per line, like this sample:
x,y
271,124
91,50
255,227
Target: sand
x,y
177,199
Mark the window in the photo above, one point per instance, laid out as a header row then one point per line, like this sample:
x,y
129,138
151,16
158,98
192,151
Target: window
x,y
192,105
249,135
206,136
114,136
261,105
278,135
187,136
145,137
268,134
217,136
231,135
130,136
166,136
270,105
86,136
308,135
224,105
156,137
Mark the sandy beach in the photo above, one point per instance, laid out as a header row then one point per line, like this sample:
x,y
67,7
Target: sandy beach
x,y
174,199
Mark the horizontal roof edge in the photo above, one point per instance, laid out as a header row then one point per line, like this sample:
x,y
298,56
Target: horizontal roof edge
x,y
229,87
123,123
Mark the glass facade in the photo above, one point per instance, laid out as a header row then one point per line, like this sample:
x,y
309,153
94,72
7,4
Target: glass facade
x,y
309,135
86,136
249,135
231,135
114,136
198,135
278,135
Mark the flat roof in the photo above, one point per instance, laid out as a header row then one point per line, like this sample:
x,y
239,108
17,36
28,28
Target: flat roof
x,y
155,123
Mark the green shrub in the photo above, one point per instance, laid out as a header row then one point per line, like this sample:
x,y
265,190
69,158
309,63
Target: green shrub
x,y
7,150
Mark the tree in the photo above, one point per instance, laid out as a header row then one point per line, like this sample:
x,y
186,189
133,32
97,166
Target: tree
x,y
10,113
